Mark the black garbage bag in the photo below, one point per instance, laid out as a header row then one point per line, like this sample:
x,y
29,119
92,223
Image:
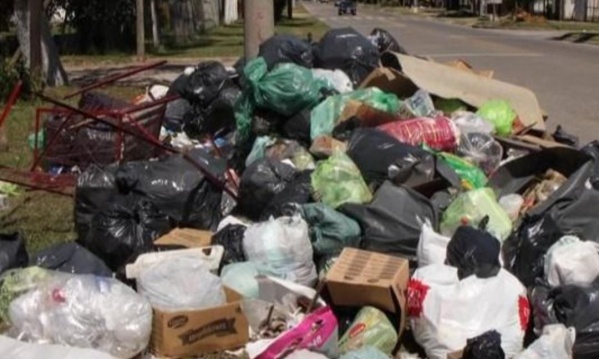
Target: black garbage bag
x,y
177,187
298,191
12,252
297,127
194,123
265,121
260,183
385,42
485,346
347,50
176,114
474,251
286,49
231,237
239,78
592,149
70,258
220,115
96,188
392,222
574,306
561,136
124,229
203,85
374,151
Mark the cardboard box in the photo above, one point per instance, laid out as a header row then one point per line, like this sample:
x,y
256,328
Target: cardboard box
x,y
185,237
450,82
188,333
360,278
464,66
455,355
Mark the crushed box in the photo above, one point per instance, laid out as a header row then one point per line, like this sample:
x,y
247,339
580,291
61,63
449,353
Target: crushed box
x,y
185,237
194,332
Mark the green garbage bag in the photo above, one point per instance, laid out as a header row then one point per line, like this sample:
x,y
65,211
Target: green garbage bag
x,y
338,180
500,113
471,176
287,89
323,117
41,140
330,231
258,149
370,328
471,207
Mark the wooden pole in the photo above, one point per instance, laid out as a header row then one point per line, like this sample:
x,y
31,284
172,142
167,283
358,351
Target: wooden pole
x,y
35,37
141,38
258,26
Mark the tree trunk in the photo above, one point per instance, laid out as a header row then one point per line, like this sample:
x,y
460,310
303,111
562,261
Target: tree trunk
x,y
155,36
139,30
52,69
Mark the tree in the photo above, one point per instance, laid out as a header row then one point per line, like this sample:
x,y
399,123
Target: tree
x,y
52,69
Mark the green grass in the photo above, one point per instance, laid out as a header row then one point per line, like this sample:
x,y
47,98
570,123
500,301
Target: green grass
x,y
43,218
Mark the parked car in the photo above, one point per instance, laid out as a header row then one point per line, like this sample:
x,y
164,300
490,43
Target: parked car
x,y
348,7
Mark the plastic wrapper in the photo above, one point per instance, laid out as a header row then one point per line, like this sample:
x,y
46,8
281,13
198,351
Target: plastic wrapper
x,y
16,282
482,150
83,311
241,277
445,312
512,203
325,116
14,349
432,247
575,307
384,41
182,283
347,50
337,180
471,207
471,176
336,79
484,346
572,261
281,248
284,48
286,90
365,352
418,106
70,258
125,229
370,328
13,253
500,113
392,222
260,183
468,122
231,238
438,133
474,252
330,231
555,342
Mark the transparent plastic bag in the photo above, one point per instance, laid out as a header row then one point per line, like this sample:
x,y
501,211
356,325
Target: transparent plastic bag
x,y
336,79
370,328
181,283
470,175
338,180
419,105
512,203
83,311
281,248
482,150
471,207
469,122
14,349
500,113
556,342
241,277
366,352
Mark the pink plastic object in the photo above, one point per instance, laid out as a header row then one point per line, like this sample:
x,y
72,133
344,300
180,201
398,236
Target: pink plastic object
x,y
438,133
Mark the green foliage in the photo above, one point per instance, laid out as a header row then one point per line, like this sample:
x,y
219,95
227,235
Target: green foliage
x,y
10,75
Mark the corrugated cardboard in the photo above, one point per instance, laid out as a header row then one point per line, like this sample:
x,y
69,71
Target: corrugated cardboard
x,y
391,81
359,278
455,355
464,66
448,82
188,333
186,237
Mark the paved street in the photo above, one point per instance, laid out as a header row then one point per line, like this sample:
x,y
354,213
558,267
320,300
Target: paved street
x,y
565,76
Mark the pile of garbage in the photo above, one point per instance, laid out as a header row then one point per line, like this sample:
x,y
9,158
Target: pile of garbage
x,y
328,200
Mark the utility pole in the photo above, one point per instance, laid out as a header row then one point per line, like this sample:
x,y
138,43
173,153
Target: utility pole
x,y
141,37
258,25
35,38
155,35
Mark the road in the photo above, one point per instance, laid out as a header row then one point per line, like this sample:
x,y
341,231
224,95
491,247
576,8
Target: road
x,y
565,76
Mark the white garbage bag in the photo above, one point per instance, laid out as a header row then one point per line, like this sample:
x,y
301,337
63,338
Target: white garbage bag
x,y
281,248
556,342
336,79
572,261
14,349
444,311
83,311
432,246
183,283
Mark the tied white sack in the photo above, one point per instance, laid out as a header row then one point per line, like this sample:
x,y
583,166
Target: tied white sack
x,y
432,246
556,342
572,261
444,311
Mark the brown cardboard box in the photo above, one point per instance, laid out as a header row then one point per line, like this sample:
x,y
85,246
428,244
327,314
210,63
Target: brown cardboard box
x,y
186,237
464,66
188,333
359,278
455,355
